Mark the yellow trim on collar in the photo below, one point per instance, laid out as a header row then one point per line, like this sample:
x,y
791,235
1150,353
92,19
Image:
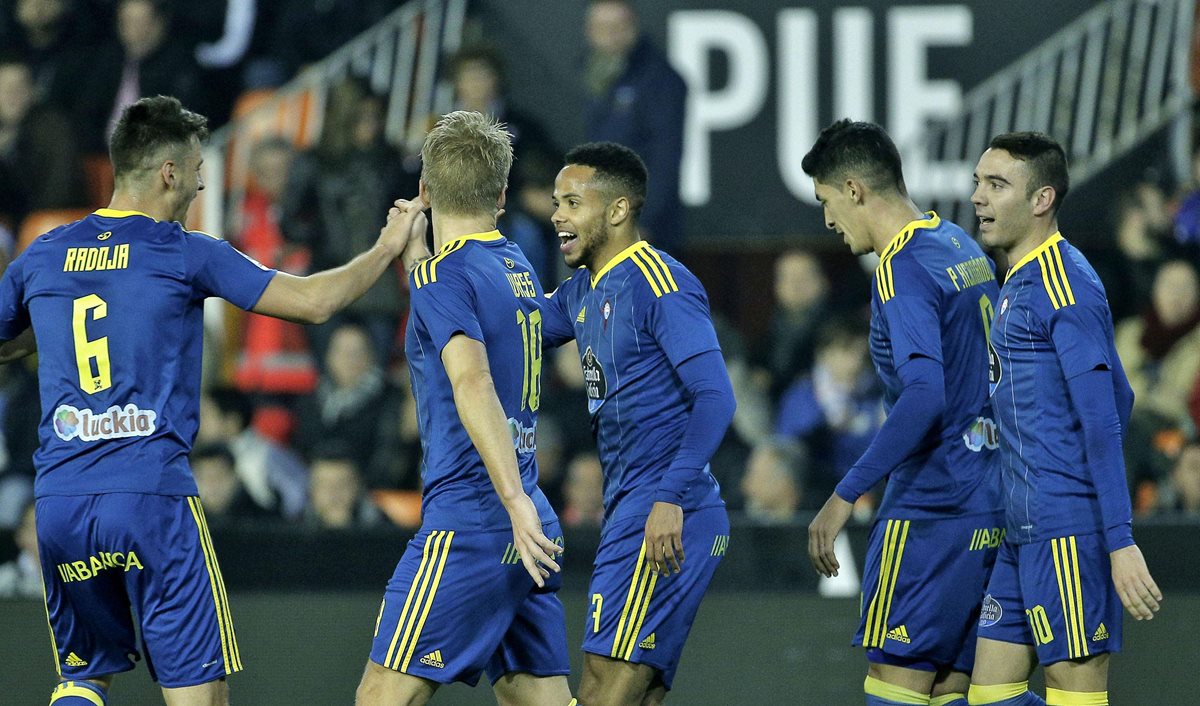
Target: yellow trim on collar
x,y
114,213
489,236
618,259
932,220
1033,254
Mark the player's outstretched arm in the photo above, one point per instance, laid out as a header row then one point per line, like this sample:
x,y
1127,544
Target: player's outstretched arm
x,y
466,363
317,297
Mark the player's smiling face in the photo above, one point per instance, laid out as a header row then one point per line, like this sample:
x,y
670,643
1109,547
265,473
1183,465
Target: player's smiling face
x,y
580,216
1003,205
839,206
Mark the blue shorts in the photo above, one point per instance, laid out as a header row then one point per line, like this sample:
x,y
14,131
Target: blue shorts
x,y
639,616
103,555
922,587
461,603
1057,595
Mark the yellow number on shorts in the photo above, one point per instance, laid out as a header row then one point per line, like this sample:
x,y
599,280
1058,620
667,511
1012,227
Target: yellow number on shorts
x,y
1040,624
598,603
91,380
531,336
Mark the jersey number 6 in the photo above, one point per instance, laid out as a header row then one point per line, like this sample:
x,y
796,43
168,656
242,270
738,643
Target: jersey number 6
x,y
99,378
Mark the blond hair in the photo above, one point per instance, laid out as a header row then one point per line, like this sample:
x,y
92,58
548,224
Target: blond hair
x,y
466,158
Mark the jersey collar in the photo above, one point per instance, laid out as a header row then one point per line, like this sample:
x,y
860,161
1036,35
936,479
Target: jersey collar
x,y
488,237
114,213
898,241
618,259
1036,252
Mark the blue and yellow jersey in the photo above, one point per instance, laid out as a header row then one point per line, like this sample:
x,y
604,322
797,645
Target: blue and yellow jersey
x,y
635,321
480,286
933,297
116,304
1053,323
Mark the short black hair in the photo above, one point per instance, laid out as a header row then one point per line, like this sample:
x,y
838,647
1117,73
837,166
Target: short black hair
x,y
620,171
230,400
149,126
1046,159
860,150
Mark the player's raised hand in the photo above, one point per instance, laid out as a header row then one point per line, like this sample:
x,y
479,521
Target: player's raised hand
x,y
535,548
403,220
1139,594
822,532
664,538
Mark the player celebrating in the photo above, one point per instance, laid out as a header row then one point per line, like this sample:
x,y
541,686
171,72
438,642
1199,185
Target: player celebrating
x,y
660,400
471,591
1062,401
115,301
934,538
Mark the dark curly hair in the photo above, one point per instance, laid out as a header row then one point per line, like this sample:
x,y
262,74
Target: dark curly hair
x,y
858,150
619,170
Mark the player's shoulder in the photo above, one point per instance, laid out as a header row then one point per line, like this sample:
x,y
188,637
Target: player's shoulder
x,y
660,275
447,265
1062,277
909,260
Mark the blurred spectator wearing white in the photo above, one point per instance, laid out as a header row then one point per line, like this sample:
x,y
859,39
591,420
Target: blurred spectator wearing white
x,y
337,496
22,577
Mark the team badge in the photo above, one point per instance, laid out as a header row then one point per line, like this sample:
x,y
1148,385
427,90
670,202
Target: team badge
x,y
606,311
1003,306
955,241
990,613
510,263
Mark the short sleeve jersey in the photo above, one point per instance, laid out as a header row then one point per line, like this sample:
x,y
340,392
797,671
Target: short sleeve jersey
x,y
479,286
933,297
116,304
1053,323
635,322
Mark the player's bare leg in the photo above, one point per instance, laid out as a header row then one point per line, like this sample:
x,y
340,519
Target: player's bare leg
x,y
1087,675
999,662
525,689
911,679
657,693
381,686
614,682
950,682
214,693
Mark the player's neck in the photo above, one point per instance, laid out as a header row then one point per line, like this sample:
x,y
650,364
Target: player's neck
x,y
1037,235
448,228
126,200
618,243
891,216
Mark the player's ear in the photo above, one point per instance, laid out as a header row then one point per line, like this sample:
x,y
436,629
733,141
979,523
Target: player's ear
x,y
1043,200
618,211
503,197
166,172
423,193
854,189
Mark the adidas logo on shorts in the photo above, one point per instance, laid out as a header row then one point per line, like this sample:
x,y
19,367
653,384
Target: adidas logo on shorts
x,y
73,660
899,634
1100,634
434,659
648,643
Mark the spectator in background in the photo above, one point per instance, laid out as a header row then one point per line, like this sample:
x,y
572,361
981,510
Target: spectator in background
x,y
772,485
1187,217
354,405
1182,492
52,36
20,415
273,476
526,220
22,577
834,412
584,492
1143,242
637,99
221,489
39,162
337,498
337,199
146,61
801,305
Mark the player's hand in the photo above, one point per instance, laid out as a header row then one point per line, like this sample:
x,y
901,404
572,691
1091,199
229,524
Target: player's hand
x,y
664,538
535,548
404,218
1135,585
822,532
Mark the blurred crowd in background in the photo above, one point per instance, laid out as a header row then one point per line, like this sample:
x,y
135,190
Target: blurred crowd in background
x,y
316,425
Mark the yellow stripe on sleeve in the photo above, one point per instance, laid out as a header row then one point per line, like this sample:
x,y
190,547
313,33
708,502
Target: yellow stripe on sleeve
x,y
437,580
1062,273
1047,283
662,265
644,258
649,277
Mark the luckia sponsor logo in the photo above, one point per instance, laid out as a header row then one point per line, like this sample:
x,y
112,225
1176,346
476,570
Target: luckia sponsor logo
x,y
114,423
524,438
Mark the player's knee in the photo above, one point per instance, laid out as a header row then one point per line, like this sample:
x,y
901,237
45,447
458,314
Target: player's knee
x,y
78,693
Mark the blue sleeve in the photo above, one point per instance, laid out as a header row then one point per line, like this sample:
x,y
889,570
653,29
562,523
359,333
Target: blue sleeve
x,y
558,325
217,269
447,305
1081,334
681,323
919,407
14,316
913,316
707,382
1124,394
1094,400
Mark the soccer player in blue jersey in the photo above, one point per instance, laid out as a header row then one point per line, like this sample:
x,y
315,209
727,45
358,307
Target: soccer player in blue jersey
x,y
473,591
935,536
1062,401
115,302
660,402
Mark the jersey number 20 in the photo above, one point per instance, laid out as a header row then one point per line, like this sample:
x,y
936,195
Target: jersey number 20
x,y
91,356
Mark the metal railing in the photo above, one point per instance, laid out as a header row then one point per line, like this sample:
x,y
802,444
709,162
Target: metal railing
x,y
401,57
1100,86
